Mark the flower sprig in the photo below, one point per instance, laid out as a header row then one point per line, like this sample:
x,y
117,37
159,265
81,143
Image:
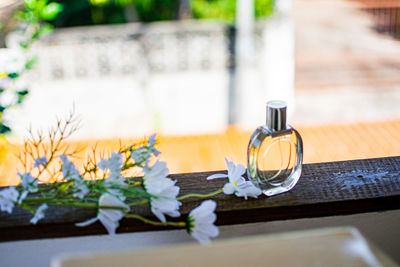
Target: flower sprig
x,y
105,184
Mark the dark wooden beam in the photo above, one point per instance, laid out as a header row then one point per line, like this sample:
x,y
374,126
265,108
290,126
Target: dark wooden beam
x,y
325,189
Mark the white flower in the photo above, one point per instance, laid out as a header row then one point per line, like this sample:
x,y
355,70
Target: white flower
x,y
81,189
237,184
115,180
201,222
143,153
152,140
40,161
12,62
39,214
114,164
7,198
23,195
108,217
70,172
163,191
28,182
5,81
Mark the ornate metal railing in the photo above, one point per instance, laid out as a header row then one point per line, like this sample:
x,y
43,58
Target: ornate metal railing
x,y
134,49
386,14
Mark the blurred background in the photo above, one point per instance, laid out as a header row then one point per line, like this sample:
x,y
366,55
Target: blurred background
x,y
199,73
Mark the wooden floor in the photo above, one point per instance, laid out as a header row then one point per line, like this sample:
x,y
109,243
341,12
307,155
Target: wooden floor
x,y
207,152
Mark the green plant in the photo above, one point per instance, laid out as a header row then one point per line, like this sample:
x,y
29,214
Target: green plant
x,y
226,9
32,26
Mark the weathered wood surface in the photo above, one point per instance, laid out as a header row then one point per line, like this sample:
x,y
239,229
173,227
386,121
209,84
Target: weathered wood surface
x,y
324,189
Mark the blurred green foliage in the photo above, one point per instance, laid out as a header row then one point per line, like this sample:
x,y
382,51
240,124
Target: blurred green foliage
x,y
151,10
33,25
34,14
226,9
91,12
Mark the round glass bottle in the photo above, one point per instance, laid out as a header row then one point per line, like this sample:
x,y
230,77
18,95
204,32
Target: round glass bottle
x,y
275,153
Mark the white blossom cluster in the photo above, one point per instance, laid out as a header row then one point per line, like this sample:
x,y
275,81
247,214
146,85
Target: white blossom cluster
x,y
113,194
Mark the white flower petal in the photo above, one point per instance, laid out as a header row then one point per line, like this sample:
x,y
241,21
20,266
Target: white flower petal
x,y
202,238
209,230
152,140
229,188
8,197
107,200
88,222
108,217
239,170
203,218
230,166
28,182
113,215
114,164
156,152
248,190
116,192
205,207
40,161
159,169
217,176
158,214
70,172
23,196
108,223
240,182
163,190
39,214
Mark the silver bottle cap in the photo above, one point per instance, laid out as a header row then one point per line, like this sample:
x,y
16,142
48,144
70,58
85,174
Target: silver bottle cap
x,y
276,115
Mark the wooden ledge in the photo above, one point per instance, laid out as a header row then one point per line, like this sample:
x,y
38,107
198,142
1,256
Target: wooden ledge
x,y
324,189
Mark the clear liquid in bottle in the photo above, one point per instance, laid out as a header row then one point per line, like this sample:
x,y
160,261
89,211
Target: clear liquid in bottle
x,y
275,153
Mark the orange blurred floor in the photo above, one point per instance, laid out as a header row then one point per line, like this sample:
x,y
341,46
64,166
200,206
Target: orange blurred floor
x,y
207,152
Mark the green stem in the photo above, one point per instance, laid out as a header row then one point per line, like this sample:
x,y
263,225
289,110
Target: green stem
x,y
70,203
136,184
200,195
62,202
145,220
143,202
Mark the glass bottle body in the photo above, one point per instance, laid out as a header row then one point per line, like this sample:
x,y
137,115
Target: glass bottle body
x,y
274,159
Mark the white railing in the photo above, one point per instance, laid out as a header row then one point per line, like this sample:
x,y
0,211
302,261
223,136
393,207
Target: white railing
x,y
134,79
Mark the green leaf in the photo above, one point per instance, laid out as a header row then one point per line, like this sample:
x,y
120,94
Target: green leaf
x,y
64,187
30,63
50,11
23,92
13,75
2,108
27,207
21,96
20,15
23,45
45,29
4,128
30,4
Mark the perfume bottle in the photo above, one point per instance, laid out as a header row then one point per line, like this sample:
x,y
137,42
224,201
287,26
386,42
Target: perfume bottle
x,y
275,153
